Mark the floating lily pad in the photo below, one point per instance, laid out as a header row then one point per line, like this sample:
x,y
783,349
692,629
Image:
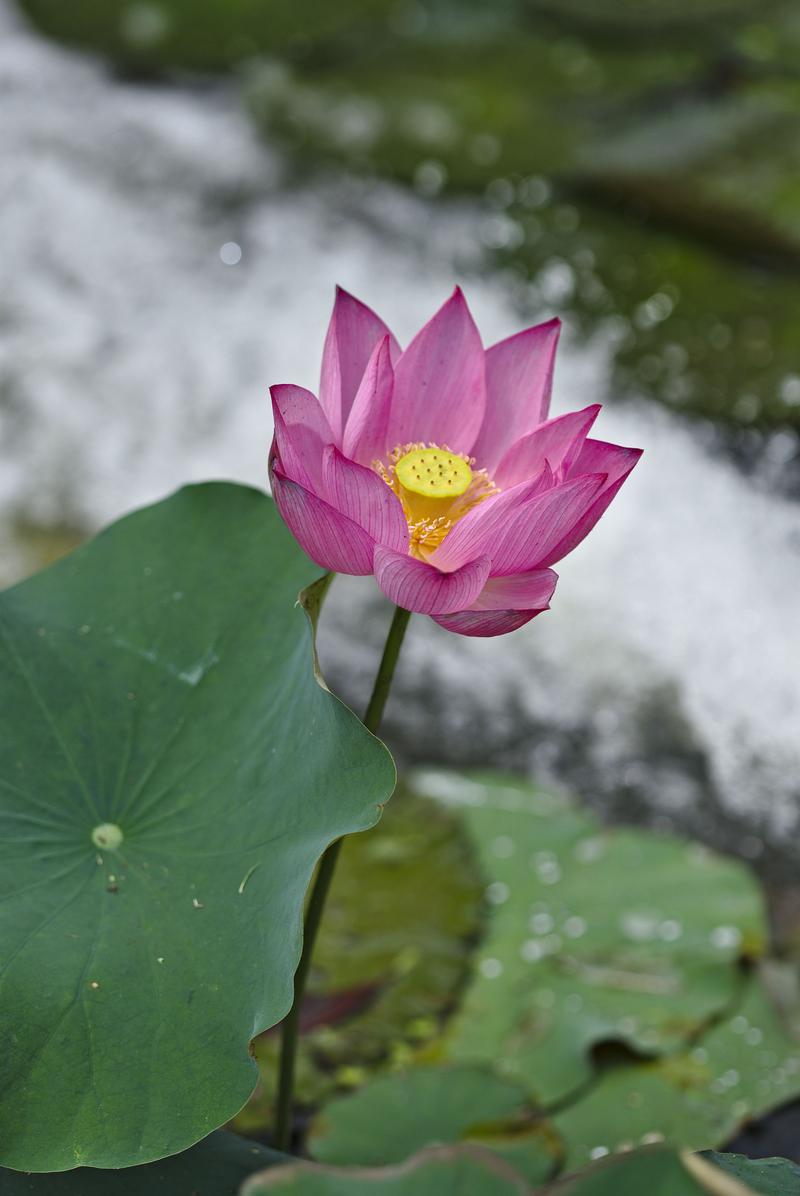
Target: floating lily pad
x,y
695,1098
592,935
171,771
386,969
446,1171
657,1171
214,1167
767,1177
663,1172
397,1115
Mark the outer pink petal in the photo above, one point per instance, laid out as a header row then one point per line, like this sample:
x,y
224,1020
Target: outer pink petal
x,y
329,538
301,433
485,623
519,379
597,456
366,436
353,332
531,534
619,461
417,586
521,591
558,441
478,531
365,498
440,382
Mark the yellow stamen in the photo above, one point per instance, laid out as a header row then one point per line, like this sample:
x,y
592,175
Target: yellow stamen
x,y
436,487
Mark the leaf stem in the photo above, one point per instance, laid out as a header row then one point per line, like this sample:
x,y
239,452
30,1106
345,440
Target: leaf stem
x,y
316,903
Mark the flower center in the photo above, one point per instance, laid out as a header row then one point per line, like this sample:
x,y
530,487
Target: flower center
x,y
433,473
436,487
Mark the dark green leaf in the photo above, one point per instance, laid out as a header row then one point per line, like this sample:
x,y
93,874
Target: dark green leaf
x,y
767,1177
214,1167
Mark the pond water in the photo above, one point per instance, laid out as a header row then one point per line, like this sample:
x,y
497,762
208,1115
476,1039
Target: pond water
x,y
162,267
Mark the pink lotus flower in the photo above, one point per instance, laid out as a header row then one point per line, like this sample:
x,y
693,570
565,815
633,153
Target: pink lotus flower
x,y
437,469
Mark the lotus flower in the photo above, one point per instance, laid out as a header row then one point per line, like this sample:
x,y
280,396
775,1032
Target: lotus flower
x,y
437,469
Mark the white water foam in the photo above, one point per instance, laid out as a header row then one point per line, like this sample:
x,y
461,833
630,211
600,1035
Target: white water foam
x,y
133,358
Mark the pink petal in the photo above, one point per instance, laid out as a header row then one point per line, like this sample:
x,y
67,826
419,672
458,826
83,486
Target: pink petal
x,y
332,540
480,528
596,456
365,498
352,334
519,379
530,535
301,433
417,586
521,591
619,461
558,442
366,436
440,386
486,622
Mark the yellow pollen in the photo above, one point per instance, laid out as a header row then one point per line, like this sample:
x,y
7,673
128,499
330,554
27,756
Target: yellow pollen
x,y
436,488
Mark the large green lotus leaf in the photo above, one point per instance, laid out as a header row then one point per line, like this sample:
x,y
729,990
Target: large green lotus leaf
x,y
214,1167
696,1098
592,935
767,1177
386,971
398,1115
442,1171
159,680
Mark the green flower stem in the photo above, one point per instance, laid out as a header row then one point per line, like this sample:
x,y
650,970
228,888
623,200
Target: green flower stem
x,y
319,892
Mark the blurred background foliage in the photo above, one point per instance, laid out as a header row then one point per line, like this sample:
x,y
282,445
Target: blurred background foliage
x,y
639,161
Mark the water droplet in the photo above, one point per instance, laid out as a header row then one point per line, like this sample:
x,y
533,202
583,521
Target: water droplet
x,y
574,927
108,836
588,850
231,253
541,923
549,873
725,937
638,926
531,950
497,892
670,930
598,1152
490,968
